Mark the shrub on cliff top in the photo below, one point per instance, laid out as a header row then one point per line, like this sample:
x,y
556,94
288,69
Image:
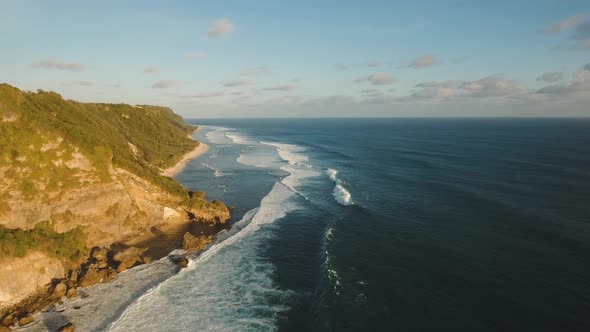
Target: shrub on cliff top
x,y
68,246
140,139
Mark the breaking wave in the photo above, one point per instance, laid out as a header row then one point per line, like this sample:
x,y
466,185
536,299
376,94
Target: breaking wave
x,y
229,286
340,193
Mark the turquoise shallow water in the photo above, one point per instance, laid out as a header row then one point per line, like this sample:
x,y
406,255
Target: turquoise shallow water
x,y
387,224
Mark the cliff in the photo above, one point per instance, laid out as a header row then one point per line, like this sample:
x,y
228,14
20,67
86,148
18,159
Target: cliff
x,y
76,175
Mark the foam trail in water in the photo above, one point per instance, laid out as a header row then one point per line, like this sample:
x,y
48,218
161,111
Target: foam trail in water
x,y
217,135
239,139
293,154
340,193
333,276
217,172
229,286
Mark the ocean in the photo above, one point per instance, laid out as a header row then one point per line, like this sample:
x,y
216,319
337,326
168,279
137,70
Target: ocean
x,y
386,225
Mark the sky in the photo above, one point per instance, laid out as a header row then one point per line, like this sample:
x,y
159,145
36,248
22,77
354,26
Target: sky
x,y
322,58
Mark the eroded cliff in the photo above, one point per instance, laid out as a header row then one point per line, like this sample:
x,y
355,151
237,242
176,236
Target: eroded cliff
x,y
77,175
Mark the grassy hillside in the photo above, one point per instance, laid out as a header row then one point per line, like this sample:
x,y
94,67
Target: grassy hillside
x,y
140,139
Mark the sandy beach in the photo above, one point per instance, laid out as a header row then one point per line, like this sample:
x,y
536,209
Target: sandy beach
x,y
199,150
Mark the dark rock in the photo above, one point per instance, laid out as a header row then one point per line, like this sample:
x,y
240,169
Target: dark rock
x,y
73,275
93,276
128,258
8,320
71,293
100,254
194,243
183,262
69,327
59,290
25,320
179,260
147,260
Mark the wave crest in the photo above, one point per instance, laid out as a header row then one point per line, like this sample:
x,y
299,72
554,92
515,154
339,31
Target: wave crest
x,y
340,193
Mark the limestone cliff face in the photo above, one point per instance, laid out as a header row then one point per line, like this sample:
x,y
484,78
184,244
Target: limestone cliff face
x,y
93,168
109,210
26,274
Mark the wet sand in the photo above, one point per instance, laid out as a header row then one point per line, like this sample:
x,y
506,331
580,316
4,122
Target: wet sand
x,y
199,150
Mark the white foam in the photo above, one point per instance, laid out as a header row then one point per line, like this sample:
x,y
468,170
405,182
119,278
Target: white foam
x,y
256,159
332,174
340,193
333,276
291,153
229,287
217,135
240,139
216,171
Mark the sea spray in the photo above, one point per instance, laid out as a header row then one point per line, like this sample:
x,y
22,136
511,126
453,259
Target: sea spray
x,y
340,193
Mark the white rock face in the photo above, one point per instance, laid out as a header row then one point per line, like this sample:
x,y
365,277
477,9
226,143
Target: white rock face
x,y
24,275
171,214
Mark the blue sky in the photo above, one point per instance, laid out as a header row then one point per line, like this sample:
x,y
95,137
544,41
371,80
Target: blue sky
x,y
306,58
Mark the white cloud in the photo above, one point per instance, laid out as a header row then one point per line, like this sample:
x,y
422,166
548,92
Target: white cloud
x,y
59,65
579,86
221,28
579,40
491,86
151,70
239,82
165,84
565,24
550,77
377,79
423,61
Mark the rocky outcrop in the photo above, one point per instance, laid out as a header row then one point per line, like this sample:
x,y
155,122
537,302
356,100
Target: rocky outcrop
x,y
180,260
69,327
128,258
101,265
193,243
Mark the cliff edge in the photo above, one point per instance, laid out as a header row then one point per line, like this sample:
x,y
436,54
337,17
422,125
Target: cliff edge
x,y
77,175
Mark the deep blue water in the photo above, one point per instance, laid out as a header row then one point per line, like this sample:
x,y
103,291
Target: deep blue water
x,y
454,224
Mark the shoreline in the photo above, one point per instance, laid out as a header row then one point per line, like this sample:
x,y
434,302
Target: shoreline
x,y
194,154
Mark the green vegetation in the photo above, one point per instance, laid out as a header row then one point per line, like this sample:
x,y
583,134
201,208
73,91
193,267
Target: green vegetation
x,y
68,246
140,139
